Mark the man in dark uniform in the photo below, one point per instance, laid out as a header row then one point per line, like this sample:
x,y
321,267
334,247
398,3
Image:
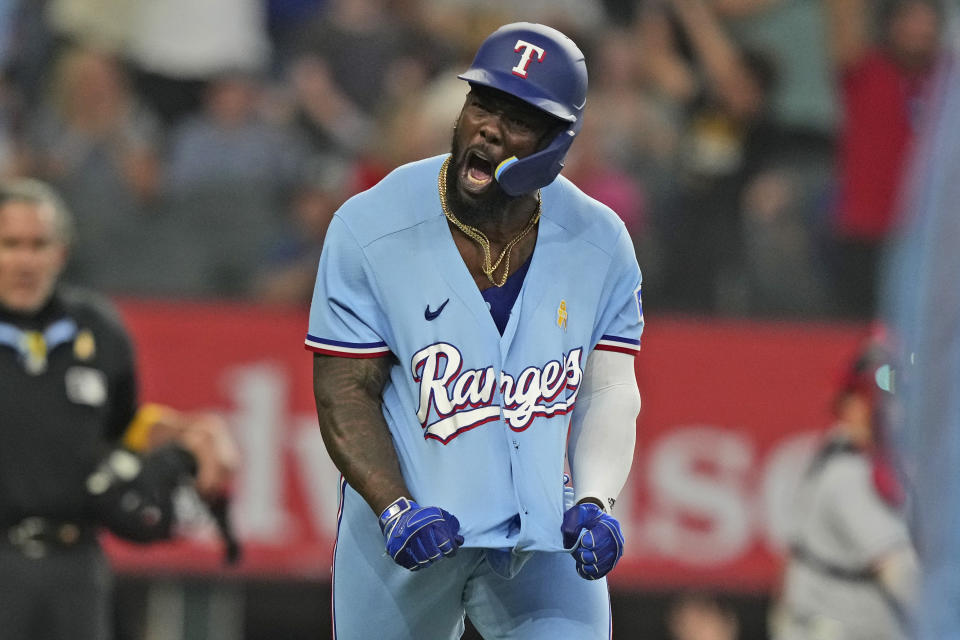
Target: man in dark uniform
x,y
68,396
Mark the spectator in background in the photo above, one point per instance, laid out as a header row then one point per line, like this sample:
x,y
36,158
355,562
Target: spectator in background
x,y
851,569
102,24
290,268
337,107
698,616
230,143
572,16
637,108
30,51
591,168
324,116
729,137
176,46
99,145
666,82
784,274
284,19
788,240
229,171
792,33
735,223
410,132
348,32
883,85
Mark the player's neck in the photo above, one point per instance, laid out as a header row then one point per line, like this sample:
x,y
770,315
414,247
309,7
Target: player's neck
x,y
491,243
508,259
499,224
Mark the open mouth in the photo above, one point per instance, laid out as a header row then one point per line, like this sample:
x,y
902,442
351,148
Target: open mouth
x,y
477,171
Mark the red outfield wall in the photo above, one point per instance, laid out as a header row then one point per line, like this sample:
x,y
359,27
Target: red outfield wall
x,y
730,412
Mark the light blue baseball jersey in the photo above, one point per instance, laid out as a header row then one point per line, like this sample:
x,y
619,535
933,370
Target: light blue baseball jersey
x,y
479,420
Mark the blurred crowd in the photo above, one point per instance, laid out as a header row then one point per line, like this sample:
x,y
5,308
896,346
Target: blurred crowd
x,y
752,147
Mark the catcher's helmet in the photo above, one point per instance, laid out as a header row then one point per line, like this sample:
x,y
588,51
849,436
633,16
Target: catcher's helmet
x,y
544,68
876,374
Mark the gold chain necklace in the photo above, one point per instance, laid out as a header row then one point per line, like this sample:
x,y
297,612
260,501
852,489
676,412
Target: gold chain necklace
x,y
488,267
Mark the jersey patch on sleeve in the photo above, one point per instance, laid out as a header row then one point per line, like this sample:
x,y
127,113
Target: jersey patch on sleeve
x,y
346,349
637,296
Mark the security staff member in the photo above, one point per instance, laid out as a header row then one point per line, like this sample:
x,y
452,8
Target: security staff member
x,y
68,395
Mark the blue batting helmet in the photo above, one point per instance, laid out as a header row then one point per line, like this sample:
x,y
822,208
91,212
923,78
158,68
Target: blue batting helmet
x,y
544,68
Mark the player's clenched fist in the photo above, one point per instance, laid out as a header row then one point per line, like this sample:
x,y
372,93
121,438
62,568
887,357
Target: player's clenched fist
x,y
594,538
418,536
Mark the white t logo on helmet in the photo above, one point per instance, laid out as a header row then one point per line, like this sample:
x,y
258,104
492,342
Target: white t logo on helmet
x,y
526,57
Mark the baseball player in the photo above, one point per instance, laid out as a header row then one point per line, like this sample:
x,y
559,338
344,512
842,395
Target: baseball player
x,y
922,303
471,311
852,569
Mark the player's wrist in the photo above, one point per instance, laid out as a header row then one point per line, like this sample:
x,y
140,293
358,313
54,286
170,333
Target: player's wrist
x,y
394,510
593,500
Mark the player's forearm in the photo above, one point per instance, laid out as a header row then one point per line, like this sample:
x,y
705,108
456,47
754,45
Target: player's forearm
x,y
347,393
603,429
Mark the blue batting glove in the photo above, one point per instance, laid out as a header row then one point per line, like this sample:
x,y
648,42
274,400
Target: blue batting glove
x,y
418,536
594,538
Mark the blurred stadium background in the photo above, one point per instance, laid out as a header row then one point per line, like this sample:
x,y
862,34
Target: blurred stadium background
x,y
203,146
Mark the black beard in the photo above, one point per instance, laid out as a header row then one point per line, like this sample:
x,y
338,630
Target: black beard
x,y
478,209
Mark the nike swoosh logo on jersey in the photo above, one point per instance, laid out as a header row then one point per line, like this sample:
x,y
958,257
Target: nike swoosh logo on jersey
x,y
432,315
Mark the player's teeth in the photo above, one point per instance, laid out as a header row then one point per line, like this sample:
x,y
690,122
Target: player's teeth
x,y
478,177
